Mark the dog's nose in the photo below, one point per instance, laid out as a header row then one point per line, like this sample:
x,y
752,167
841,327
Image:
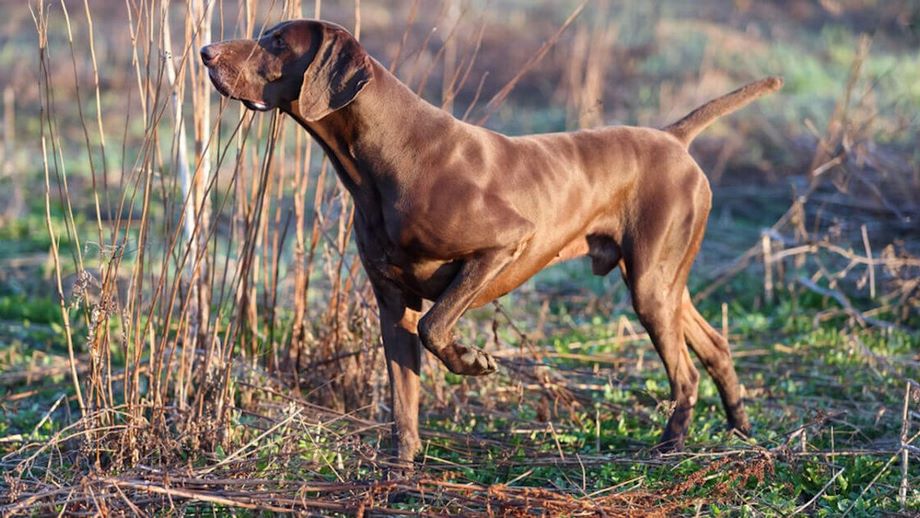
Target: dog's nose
x,y
209,54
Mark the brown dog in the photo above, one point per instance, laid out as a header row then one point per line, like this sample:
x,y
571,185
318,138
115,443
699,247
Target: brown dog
x,y
460,215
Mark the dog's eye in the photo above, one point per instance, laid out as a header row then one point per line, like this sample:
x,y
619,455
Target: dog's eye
x,y
278,41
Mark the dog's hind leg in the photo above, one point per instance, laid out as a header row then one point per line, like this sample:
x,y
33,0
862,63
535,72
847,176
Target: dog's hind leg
x,y
657,255
660,311
713,351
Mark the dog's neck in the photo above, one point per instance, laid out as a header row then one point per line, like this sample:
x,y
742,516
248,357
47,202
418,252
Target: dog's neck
x,y
369,139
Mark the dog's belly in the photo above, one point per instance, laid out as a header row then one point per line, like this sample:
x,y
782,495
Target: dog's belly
x,y
428,279
576,248
598,242
528,265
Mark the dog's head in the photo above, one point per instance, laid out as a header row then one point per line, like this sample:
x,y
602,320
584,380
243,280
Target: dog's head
x,y
317,65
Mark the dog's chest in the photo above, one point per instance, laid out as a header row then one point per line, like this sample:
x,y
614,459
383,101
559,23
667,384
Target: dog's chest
x,y
425,277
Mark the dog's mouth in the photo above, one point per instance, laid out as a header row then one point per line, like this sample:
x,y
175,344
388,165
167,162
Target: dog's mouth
x,y
218,81
255,105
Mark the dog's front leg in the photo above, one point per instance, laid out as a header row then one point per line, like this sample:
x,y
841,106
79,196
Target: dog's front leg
x,y
399,315
436,327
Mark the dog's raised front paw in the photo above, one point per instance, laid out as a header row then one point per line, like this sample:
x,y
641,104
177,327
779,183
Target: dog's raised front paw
x,y
469,361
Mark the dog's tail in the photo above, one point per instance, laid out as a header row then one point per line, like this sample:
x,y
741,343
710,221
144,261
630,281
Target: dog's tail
x,y
696,121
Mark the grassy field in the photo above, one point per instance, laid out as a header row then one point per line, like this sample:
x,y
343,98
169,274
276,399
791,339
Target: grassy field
x,y
148,366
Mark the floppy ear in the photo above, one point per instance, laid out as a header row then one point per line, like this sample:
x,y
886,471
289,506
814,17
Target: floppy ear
x,y
340,69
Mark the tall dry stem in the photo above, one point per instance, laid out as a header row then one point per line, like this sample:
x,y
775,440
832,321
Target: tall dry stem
x,y
198,32
41,26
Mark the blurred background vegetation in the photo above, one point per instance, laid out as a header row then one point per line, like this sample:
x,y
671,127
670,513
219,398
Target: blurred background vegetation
x,y
179,293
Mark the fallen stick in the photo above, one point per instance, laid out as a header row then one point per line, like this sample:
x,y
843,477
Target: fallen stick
x,y
845,303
